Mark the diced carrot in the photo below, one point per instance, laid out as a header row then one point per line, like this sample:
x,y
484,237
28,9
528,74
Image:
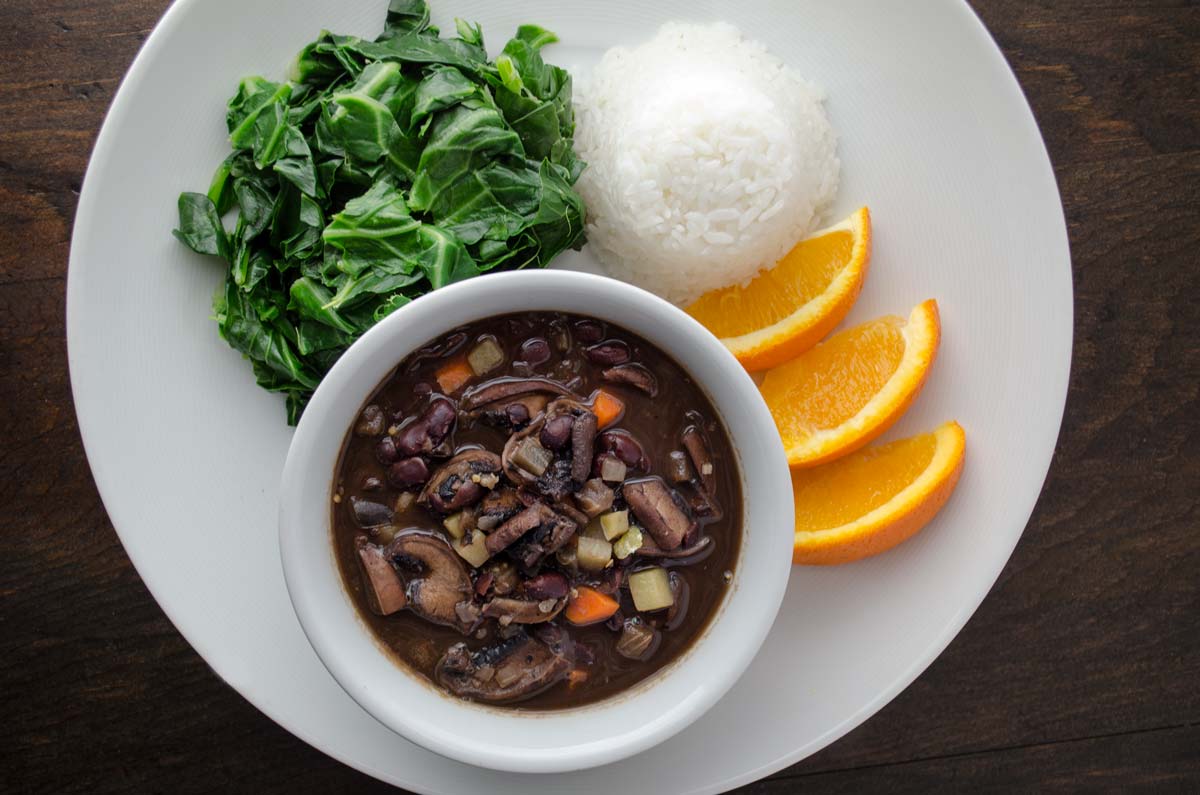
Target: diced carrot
x,y
607,407
589,606
577,677
454,374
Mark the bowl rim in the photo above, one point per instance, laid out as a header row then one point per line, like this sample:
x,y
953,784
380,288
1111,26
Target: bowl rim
x,y
311,461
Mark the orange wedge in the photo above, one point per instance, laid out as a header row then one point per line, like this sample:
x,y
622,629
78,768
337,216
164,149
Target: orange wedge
x,y
786,310
846,391
872,500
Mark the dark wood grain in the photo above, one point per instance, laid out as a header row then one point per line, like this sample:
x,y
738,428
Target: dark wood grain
x,y
1080,671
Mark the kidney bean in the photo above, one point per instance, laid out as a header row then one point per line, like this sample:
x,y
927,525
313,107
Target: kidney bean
x,y
440,416
608,353
589,331
408,472
550,585
372,483
557,432
424,434
386,452
625,447
535,351
517,413
370,423
369,514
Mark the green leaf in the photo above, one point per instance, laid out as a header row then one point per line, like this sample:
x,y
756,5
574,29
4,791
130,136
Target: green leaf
x,y
256,201
442,87
314,301
220,190
495,202
253,96
390,305
470,32
262,342
406,16
374,229
327,61
462,139
363,120
421,48
200,227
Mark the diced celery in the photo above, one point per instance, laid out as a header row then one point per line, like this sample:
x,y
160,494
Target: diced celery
x,y
486,356
651,589
615,524
593,554
613,469
629,543
593,529
453,524
475,552
532,457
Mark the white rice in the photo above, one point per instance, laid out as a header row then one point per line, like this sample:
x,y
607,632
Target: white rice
x,y
708,158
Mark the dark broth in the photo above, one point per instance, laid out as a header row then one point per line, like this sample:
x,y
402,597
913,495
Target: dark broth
x,y
699,582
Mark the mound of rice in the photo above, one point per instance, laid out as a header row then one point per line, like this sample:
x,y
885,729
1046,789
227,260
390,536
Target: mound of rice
x,y
708,158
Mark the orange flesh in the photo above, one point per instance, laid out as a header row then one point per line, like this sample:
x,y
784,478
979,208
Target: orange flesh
x,y
832,382
454,375
607,408
845,490
803,274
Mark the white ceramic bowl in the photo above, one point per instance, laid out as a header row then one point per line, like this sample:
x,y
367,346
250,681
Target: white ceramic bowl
x,y
502,738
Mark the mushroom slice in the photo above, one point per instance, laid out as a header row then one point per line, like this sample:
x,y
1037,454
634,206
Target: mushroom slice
x,y
634,375
583,440
547,539
437,581
384,586
506,389
532,517
638,639
510,670
497,508
461,481
522,611
594,498
655,507
701,455
650,549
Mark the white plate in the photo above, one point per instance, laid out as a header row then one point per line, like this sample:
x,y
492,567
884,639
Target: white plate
x,y
187,451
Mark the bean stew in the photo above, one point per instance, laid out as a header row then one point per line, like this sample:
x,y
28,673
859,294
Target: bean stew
x,y
538,510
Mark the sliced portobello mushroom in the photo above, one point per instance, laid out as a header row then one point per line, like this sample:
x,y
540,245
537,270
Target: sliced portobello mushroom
x,y
698,450
512,669
496,508
650,549
501,391
523,611
461,481
437,580
655,507
634,375
385,589
529,519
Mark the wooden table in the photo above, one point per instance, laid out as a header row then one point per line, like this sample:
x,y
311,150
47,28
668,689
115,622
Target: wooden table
x,y
1080,670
